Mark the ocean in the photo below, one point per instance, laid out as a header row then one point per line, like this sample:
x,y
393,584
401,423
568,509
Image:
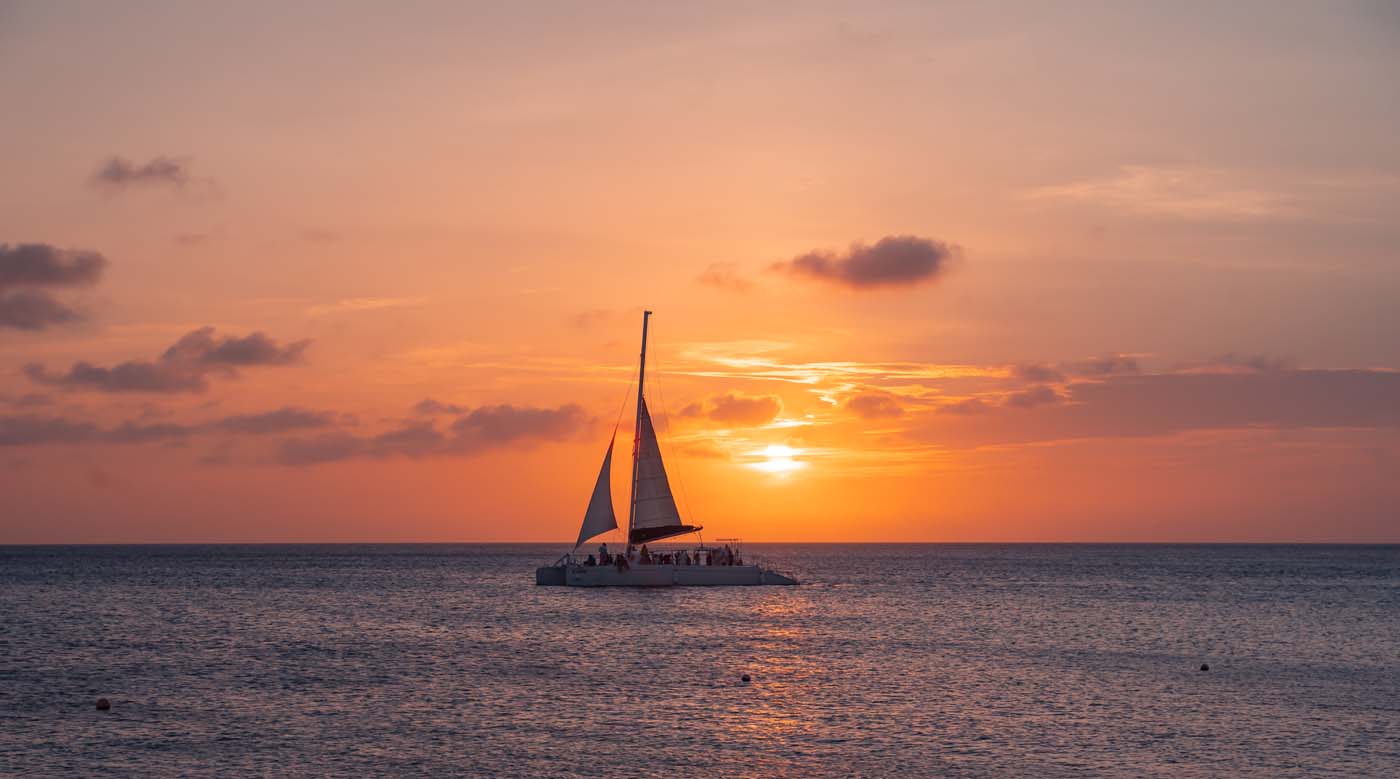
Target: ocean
x,y
889,660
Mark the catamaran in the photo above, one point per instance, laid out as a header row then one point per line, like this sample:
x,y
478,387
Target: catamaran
x,y
652,516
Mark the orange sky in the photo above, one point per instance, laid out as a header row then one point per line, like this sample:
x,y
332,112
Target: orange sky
x,y
920,271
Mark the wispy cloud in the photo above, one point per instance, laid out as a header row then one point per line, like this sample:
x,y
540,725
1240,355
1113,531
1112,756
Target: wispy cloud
x,y
355,305
1187,192
726,276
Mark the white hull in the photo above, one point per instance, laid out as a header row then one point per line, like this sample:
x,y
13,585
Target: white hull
x,y
640,575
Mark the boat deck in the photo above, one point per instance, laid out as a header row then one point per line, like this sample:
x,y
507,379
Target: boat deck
x,y
658,575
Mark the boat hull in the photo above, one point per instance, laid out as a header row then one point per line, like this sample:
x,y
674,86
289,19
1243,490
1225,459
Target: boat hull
x,y
659,576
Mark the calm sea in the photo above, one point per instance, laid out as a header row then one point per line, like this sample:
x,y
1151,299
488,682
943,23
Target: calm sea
x,y
892,660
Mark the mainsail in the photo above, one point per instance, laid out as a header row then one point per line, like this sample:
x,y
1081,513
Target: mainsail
x,y
599,517
654,512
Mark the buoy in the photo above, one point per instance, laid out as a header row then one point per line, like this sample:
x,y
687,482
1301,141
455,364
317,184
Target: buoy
x,y
744,678
1205,667
103,704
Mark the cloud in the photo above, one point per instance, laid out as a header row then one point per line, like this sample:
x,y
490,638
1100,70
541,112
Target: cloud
x,y
893,261
42,265
184,367
1107,365
29,400
1184,192
34,311
702,450
966,407
279,421
1258,363
136,433
324,448
353,305
30,429
735,409
415,439
874,405
488,427
594,317
121,173
27,265
1037,372
496,425
1035,396
430,407
724,275
1168,403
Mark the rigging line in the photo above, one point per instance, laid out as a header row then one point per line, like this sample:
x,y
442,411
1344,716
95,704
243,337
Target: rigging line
x,y
626,396
680,478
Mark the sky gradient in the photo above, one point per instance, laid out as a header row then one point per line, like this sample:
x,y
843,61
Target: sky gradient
x,y
921,271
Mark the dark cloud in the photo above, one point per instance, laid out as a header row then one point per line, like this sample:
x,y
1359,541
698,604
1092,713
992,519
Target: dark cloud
x,y
29,429
430,407
416,439
1163,404
120,173
136,433
30,400
893,261
184,367
1106,365
724,275
279,421
33,310
965,407
734,409
1037,372
42,265
1035,396
324,448
202,347
874,405
502,424
477,430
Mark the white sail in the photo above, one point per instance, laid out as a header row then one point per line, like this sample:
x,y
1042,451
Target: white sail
x,y
599,517
654,512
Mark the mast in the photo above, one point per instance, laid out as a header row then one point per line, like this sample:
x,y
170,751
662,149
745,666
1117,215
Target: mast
x,y
637,431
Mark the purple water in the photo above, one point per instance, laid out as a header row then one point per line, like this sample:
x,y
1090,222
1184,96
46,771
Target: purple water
x,y
890,660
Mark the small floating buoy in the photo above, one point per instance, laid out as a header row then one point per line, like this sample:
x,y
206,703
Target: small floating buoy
x,y
744,678
103,704
1205,667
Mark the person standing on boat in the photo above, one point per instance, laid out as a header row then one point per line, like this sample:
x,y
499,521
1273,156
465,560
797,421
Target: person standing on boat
x,y
603,554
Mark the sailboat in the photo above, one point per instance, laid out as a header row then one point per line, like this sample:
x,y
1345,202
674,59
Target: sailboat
x,y
652,516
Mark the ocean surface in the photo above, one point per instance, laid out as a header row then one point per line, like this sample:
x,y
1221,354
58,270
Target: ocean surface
x,y
890,660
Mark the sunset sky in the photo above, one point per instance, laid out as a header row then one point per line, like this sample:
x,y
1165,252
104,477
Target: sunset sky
x,y
920,271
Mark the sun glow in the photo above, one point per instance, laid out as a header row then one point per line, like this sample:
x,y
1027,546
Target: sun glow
x,y
777,459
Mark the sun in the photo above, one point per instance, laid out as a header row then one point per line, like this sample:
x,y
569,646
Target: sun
x,y
777,459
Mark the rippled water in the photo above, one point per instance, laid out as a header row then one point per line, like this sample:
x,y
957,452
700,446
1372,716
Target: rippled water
x,y
444,660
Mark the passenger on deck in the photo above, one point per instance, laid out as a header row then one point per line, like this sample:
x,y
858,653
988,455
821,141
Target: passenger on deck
x,y
590,561
645,555
603,554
